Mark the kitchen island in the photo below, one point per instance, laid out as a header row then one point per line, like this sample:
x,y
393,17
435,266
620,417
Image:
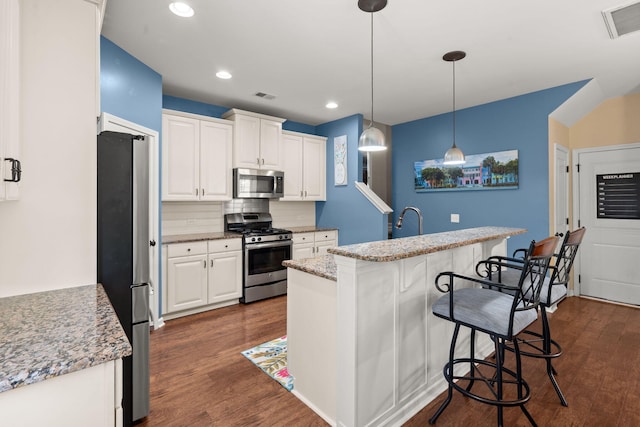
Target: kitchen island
x,y
61,359
363,345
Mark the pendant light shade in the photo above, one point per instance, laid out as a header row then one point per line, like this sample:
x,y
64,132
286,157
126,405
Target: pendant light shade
x,y
371,139
454,156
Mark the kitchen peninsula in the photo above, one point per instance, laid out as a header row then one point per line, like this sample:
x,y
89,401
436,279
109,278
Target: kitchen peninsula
x,y
60,359
363,346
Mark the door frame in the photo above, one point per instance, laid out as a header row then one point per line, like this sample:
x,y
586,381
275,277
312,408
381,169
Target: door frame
x,y
575,158
109,122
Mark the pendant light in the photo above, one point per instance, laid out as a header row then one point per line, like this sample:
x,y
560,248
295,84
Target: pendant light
x,y
371,139
454,156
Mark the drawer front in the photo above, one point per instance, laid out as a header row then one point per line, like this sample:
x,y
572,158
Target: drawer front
x,y
302,238
322,236
225,245
185,249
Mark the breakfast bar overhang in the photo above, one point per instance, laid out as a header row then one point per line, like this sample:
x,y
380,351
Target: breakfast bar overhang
x,y
363,345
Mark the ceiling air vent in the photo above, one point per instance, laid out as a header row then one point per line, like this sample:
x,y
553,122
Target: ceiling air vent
x,y
622,20
265,95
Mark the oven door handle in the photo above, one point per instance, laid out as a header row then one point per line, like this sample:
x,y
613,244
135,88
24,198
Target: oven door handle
x,y
268,244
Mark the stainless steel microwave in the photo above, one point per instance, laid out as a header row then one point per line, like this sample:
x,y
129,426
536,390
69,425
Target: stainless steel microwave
x,y
257,184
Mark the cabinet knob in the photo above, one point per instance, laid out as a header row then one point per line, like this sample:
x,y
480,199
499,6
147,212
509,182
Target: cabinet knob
x,y
152,243
211,263
188,249
196,191
205,263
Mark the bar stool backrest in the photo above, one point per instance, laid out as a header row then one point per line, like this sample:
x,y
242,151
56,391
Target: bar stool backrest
x,y
533,273
565,257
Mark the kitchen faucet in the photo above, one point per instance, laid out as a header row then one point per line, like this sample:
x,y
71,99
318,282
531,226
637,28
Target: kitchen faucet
x,y
416,210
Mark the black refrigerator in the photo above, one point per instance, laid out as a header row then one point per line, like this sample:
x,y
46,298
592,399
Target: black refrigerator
x,y
123,255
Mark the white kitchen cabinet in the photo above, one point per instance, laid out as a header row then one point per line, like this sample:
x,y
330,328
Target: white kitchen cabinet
x,y
304,166
202,276
186,276
325,240
10,99
311,244
256,140
303,246
225,270
196,157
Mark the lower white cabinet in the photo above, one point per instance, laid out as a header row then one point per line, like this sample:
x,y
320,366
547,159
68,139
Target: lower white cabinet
x,y
311,244
202,275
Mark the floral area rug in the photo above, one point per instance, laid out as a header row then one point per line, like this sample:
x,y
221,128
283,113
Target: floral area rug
x,y
271,357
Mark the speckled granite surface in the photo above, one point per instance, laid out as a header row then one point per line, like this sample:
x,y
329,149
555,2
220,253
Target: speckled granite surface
x,y
407,247
47,334
182,238
308,229
323,266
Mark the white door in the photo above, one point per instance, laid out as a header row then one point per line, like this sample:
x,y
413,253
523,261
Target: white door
x,y
225,276
215,161
561,188
611,247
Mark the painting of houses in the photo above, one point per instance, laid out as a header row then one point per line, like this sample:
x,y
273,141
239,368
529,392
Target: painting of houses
x,y
489,171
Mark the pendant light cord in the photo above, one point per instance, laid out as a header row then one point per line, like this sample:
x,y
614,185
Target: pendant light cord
x,y
454,103
371,124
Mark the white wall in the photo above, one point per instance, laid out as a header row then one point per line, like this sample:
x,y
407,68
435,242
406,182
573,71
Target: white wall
x,y
48,237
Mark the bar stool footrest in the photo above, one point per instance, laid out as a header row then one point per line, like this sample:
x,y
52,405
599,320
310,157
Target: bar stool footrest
x,y
517,393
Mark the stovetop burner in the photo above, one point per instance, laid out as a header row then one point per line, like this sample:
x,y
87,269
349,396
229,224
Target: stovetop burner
x,y
255,227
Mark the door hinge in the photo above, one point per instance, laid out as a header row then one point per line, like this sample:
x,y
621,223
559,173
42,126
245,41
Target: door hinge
x,y
578,223
567,169
567,221
578,166
579,278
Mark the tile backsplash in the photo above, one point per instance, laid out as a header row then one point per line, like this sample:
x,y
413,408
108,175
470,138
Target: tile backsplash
x,y
208,217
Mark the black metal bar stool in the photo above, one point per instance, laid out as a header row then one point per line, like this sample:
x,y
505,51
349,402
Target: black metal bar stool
x,y
502,316
554,289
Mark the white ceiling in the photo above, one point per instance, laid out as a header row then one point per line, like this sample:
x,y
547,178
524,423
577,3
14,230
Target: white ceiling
x,y
309,52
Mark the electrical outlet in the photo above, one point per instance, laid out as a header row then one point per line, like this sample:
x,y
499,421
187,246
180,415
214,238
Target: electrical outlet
x,y
455,217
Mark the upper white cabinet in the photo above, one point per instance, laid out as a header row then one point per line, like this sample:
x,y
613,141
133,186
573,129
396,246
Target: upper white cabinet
x,y
304,166
256,143
10,168
196,157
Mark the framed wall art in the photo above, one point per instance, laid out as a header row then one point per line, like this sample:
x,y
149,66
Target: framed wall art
x,y
489,171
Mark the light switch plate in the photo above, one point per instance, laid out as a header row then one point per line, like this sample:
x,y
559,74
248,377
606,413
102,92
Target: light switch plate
x,y
455,217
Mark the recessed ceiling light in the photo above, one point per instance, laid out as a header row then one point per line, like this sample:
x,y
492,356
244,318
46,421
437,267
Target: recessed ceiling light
x,y
181,9
223,75
331,105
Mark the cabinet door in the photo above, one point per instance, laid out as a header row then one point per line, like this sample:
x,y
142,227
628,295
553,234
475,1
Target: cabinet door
x,y
10,99
180,158
225,276
215,161
186,282
303,246
315,169
270,137
246,146
302,250
325,240
292,166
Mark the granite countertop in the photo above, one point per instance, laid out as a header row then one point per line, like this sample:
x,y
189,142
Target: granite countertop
x,y
183,238
47,334
323,266
308,229
407,247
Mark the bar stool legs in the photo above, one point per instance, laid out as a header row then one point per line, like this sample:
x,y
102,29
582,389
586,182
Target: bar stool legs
x,y
493,392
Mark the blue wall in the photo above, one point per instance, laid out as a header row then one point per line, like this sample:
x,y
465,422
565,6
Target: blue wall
x,y
128,88
346,208
516,123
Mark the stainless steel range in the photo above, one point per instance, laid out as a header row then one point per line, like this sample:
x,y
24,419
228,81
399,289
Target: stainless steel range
x,y
264,250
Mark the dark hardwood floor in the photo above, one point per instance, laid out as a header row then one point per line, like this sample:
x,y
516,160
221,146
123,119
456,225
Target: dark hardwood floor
x,y
199,377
